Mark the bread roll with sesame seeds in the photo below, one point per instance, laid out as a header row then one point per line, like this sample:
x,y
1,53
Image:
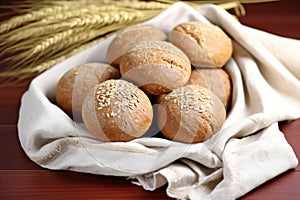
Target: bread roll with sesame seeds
x,y
128,38
156,67
75,84
190,114
217,80
205,44
117,111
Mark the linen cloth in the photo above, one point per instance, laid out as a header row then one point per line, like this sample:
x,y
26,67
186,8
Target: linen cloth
x,y
246,152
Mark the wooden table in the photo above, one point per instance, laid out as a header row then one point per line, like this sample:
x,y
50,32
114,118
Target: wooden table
x,y
20,178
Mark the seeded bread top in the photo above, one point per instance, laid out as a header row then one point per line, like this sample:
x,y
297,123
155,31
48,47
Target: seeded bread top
x,y
117,110
191,114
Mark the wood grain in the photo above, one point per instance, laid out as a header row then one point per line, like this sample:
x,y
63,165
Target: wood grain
x,y
11,153
279,17
20,178
292,134
41,184
286,186
10,101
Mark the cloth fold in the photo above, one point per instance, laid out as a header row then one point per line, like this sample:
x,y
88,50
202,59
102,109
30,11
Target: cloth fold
x,y
248,151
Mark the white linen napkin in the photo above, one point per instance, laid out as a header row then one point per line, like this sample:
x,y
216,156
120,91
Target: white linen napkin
x,y
246,152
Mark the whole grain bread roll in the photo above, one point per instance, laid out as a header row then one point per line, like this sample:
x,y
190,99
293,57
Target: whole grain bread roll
x,y
128,38
205,44
217,80
190,114
157,67
75,84
117,111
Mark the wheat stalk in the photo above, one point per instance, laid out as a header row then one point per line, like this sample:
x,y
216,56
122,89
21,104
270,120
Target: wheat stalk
x,y
52,8
75,26
17,76
29,17
47,32
87,20
62,41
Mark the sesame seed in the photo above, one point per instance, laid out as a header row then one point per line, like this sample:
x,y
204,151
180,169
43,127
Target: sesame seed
x,y
113,114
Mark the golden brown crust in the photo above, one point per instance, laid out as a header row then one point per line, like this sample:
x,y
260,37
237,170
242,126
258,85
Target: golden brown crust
x,y
190,114
128,38
75,84
117,111
205,44
64,90
156,99
217,80
156,66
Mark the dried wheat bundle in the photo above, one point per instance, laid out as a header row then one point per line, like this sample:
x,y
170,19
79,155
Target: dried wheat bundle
x,y
39,34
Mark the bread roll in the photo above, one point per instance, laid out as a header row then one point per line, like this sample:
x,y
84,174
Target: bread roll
x,y
190,114
128,38
156,99
205,44
117,111
217,80
156,67
75,84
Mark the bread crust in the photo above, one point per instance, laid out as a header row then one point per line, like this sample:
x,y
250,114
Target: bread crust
x,y
128,38
117,111
75,84
217,80
156,67
190,114
205,44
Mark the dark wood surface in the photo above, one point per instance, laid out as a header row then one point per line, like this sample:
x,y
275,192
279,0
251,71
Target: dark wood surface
x,y
20,178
